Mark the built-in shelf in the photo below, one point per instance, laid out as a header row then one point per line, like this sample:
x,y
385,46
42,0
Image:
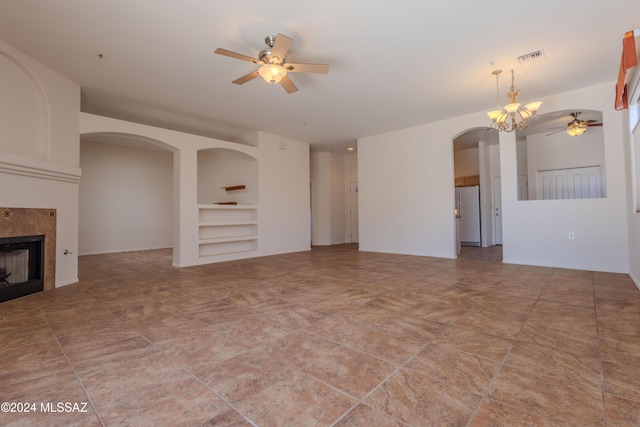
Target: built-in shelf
x,y
224,223
234,188
227,229
226,239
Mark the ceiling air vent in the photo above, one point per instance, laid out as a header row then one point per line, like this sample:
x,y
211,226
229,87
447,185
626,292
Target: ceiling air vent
x,y
532,56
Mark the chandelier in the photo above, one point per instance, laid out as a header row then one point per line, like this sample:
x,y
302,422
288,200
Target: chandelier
x,y
512,116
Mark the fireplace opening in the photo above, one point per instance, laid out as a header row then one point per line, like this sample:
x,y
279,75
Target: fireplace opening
x,y
21,266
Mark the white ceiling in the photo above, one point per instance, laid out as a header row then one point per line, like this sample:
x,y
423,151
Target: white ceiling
x,y
393,64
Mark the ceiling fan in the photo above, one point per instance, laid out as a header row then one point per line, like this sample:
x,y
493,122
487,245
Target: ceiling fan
x,y
577,127
273,63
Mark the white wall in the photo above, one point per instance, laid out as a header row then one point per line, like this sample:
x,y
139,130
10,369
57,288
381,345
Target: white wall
x,y
406,206
536,232
521,156
39,148
284,220
338,207
350,177
633,153
466,162
634,215
283,205
126,198
320,198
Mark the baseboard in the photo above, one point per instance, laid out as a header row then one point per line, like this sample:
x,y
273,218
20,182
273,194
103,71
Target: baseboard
x,y
67,282
124,250
635,279
568,267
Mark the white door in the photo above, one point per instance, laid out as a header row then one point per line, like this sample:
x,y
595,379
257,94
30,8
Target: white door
x,y
585,183
353,212
573,183
552,185
497,210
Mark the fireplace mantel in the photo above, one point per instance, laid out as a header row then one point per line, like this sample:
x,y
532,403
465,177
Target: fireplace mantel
x,y
18,165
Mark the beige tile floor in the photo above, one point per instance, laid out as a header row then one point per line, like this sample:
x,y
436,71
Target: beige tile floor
x,y
332,336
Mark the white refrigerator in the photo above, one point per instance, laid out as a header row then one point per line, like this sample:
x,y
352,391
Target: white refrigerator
x,y
468,209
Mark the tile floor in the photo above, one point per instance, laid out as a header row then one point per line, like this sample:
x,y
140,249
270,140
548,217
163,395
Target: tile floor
x,y
332,336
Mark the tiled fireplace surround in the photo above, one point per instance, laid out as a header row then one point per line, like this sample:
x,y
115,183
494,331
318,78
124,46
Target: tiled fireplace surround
x,y
15,222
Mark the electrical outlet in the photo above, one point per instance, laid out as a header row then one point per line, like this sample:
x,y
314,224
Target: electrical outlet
x,y
572,235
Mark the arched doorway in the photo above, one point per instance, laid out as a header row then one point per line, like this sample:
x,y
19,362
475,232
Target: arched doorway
x,y
477,186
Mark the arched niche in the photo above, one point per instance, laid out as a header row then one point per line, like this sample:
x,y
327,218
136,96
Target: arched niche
x,y
222,173
24,111
554,165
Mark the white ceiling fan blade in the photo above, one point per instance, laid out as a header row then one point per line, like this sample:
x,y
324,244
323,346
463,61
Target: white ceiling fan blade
x,y
236,55
307,68
288,85
248,77
280,47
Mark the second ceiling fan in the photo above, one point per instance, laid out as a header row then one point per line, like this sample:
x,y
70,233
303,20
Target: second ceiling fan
x,y
577,127
273,63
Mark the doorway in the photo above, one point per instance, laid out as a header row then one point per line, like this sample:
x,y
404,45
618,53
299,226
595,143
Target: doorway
x,y
353,213
476,155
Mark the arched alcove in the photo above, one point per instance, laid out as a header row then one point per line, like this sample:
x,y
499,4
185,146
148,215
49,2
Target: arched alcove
x,y
24,111
227,202
220,170
126,197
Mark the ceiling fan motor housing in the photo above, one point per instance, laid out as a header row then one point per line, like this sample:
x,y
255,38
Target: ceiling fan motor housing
x,y
265,56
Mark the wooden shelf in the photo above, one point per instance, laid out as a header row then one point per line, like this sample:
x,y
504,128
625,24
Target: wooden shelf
x,y
466,181
234,188
226,223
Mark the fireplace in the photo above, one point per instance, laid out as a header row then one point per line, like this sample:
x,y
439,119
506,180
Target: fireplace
x,y
21,266
31,236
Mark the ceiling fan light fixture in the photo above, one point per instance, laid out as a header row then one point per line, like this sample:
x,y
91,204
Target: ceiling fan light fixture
x,y
272,73
520,117
576,129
